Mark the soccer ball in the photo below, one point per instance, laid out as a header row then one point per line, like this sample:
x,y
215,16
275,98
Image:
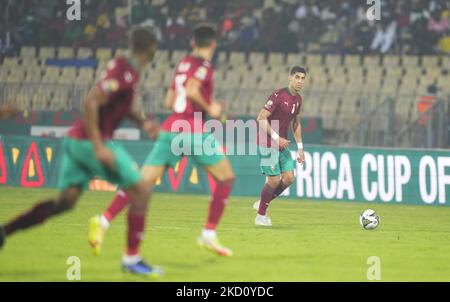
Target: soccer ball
x,y
369,219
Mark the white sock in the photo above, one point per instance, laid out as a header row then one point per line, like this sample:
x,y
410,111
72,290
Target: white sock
x,y
131,260
260,216
208,234
104,222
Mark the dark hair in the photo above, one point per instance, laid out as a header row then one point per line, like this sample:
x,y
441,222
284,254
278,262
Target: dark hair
x,y
296,69
204,34
141,38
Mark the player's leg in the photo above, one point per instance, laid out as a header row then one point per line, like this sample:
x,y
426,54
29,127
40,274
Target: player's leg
x,y
267,193
45,209
128,176
219,167
275,185
153,168
223,174
72,180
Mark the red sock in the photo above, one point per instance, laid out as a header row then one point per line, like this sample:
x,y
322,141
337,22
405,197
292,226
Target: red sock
x,y
266,196
136,225
120,201
276,192
217,204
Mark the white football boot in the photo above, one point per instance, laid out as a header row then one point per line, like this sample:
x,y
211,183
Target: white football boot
x,y
263,220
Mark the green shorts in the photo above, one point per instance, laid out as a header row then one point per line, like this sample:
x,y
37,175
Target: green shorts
x,y
79,165
284,162
171,147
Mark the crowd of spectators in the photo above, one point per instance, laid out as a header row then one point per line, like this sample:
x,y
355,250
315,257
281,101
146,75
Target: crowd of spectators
x,y
338,26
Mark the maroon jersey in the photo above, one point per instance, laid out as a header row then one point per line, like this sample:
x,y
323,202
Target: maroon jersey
x,y
284,107
119,83
184,109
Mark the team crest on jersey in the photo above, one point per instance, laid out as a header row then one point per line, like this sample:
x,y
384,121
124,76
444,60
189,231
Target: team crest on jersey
x,y
110,86
128,77
201,73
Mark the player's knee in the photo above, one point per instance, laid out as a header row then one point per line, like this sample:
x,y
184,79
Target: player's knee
x,y
67,200
65,203
272,182
289,179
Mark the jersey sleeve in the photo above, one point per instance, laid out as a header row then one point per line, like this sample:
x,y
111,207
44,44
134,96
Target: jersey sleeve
x,y
272,102
115,78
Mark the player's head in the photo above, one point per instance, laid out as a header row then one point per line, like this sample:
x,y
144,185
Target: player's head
x,y
142,43
204,37
297,78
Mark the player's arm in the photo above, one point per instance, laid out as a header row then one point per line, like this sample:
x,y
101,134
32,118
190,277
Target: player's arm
x,y
264,124
148,126
193,93
94,100
170,99
297,130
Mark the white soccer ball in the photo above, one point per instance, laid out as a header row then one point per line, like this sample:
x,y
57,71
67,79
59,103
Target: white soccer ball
x,y
369,219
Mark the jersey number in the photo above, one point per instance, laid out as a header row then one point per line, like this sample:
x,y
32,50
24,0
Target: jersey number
x,y
180,101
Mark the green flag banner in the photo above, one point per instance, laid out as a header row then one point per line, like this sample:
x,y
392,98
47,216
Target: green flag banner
x,y
329,173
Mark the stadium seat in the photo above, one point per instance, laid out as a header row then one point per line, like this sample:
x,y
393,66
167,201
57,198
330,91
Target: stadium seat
x,y
446,62
33,76
391,61
371,61
66,53
333,60
433,72
28,52
68,75
410,61
222,58
394,71
103,54
275,59
84,53
352,60
177,56
237,58
312,61
120,52
161,56
257,58
46,53
294,59
28,61
51,75
10,63
430,61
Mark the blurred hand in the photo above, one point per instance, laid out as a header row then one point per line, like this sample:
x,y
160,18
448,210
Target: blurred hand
x,y
106,157
151,128
301,157
283,143
215,109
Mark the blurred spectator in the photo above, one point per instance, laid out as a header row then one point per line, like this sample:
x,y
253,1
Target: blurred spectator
x,y
412,26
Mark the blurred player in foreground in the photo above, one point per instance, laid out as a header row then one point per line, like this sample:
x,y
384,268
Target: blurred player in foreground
x,y
90,152
283,106
190,97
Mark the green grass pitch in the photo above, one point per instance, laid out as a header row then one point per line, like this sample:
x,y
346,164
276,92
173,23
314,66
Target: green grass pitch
x,y
310,241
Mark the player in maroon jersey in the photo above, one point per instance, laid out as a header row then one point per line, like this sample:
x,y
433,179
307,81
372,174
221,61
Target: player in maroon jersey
x,y
190,97
90,152
281,111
